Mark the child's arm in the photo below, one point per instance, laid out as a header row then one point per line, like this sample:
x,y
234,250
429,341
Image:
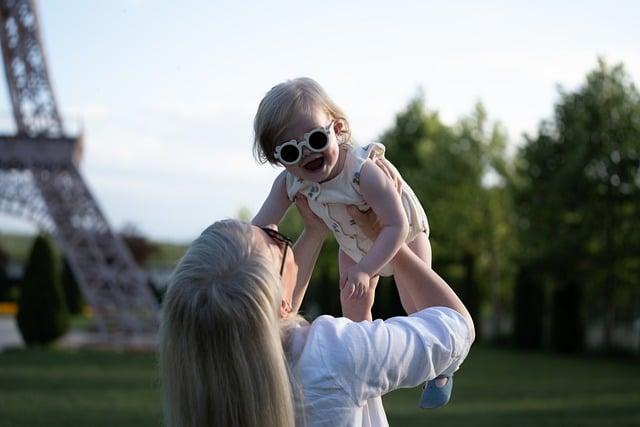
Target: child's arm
x,y
276,205
381,194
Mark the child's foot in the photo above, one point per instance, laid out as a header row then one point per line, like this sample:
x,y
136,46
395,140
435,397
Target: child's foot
x,y
436,392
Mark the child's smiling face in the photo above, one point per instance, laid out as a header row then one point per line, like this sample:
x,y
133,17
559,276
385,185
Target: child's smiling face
x,y
313,166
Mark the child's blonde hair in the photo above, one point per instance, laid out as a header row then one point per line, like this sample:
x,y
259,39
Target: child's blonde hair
x,y
281,104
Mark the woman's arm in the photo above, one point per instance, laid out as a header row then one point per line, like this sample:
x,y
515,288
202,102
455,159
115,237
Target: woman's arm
x,y
276,205
370,359
306,249
428,289
306,252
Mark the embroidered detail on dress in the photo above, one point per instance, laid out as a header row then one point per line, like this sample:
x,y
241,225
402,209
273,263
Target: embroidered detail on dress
x,y
356,178
313,192
337,224
341,231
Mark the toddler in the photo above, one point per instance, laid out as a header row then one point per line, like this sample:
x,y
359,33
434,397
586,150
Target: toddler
x,y
299,127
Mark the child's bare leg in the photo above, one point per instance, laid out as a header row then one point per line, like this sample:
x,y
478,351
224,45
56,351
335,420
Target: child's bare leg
x,y
405,298
422,248
344,262
437,391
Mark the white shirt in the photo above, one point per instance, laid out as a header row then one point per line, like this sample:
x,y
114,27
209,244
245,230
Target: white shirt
x,y
344,368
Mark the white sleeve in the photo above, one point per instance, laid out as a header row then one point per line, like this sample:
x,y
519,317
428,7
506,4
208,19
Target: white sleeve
x,y
369,359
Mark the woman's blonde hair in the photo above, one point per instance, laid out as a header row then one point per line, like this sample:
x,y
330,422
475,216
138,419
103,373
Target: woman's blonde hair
x,y
281,104
222,361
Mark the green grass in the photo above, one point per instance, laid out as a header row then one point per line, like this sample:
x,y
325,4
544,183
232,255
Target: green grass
x,y
17,246
166,254
494,388
509,388
64,388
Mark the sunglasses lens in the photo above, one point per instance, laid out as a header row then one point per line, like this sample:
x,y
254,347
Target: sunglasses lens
x,y
289,153
318,140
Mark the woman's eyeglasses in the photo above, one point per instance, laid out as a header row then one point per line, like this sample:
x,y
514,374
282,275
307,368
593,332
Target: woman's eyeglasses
x,y
316,140
280,238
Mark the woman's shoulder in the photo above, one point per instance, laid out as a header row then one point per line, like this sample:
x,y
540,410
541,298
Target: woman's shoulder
x,y
331,336
328,326
342,340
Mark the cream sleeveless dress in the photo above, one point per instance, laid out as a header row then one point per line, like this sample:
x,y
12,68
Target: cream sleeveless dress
x,y
329,201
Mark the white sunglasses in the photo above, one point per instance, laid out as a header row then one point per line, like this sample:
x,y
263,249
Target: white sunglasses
x,y
316,140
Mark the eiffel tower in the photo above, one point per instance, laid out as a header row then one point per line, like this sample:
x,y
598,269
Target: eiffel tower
x,y
40,182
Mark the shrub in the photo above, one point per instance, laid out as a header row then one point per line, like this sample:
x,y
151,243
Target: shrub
x,y
42,311
73,296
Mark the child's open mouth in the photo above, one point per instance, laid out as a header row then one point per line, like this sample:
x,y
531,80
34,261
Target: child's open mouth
x,y
314,165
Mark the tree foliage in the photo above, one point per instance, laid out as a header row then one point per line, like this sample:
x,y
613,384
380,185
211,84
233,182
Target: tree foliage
x,y
577,195
141,248
73,295
447,167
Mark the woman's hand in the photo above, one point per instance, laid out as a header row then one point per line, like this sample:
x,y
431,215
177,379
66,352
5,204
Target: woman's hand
x,y
367,221
391,172
312,223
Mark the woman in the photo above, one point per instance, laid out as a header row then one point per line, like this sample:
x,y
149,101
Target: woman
x,y
234,353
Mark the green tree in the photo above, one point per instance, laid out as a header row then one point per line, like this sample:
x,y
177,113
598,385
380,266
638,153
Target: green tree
x,y
42,312
244,214
447,167
577,196
140,247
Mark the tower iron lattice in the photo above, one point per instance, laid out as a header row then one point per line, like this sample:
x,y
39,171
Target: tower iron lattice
x,y
40,182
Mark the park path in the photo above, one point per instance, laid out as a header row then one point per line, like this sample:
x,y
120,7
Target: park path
x,y
10,336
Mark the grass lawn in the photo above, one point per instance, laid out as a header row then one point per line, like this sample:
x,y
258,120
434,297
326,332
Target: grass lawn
x,y
494,388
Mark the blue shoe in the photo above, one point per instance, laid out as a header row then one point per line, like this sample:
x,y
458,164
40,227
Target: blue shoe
x,y
434,396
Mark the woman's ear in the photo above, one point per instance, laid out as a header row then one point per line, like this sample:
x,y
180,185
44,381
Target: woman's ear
x,y
285,309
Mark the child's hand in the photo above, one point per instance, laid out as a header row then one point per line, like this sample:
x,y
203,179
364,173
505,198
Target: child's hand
x,y
355,282
358,309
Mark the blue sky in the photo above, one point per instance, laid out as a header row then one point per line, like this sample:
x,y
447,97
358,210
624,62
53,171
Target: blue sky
x,y
166,91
